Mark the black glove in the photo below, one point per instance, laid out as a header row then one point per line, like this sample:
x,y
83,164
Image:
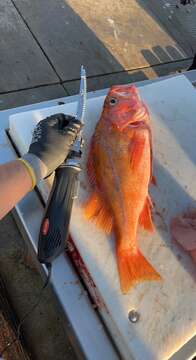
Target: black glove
x,y
51,142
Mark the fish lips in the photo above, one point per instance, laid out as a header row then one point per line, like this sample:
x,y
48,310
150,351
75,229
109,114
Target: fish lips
x,y
129,124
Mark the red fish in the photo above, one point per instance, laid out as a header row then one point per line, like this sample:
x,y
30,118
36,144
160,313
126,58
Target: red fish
x,y
119,170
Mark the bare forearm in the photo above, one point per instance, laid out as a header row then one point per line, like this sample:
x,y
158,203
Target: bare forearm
x,y
51,143
15,183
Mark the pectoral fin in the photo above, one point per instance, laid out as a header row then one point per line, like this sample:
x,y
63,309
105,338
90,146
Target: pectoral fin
x,y
136,150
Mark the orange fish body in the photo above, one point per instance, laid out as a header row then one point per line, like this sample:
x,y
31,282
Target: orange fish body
x,y
119,171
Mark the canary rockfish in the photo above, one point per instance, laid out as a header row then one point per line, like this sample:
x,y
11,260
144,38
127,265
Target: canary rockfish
x,y
119,169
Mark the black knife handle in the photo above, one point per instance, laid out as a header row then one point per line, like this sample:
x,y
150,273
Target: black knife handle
x,y
55,225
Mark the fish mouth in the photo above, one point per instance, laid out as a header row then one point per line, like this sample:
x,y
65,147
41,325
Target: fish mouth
x,y
132,120
135,124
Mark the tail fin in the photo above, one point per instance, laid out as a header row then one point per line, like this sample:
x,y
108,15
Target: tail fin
x,y
133,267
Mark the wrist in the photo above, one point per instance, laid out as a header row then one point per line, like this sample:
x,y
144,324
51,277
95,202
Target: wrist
x,y
23,166
38,167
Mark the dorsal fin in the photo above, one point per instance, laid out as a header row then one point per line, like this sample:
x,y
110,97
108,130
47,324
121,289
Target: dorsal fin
x,y
145,219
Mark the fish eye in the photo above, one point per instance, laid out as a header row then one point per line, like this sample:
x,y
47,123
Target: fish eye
x,y
113,101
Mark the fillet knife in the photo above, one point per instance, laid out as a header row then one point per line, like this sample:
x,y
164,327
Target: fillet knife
x,y
54,229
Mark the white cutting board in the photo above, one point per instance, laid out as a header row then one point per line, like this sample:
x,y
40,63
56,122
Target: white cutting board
x,y
167,309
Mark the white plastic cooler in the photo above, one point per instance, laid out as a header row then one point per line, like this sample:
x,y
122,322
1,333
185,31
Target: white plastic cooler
x,y
167,310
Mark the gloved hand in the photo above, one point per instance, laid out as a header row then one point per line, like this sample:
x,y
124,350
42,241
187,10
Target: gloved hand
x,y
51,142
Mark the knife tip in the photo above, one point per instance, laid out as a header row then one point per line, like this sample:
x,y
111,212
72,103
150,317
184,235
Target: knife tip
x,y
82,71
